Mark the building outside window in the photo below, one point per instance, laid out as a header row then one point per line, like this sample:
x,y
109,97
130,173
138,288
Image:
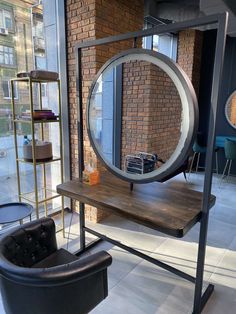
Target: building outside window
x,y
16,55
7,55
22,49
6,20
6,87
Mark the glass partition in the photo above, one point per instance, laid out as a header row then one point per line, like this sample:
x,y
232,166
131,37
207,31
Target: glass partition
x,y
22,49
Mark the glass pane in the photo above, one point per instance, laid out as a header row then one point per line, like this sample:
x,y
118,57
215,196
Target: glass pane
x,y
6,58
155,43
1,19
16,60
40,62
11,59
15,91
6,91
8,23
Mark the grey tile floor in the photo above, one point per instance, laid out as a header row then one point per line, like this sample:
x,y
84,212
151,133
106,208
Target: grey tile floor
x,y
138,287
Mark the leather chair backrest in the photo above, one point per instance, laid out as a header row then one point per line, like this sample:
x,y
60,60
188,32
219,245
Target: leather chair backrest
x,y
30,244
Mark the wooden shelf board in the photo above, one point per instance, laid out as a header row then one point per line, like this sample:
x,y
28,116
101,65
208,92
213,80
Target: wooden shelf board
x,y
39,162
166,207
35,121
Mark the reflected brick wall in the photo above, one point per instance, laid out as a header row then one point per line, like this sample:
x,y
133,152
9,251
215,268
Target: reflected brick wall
x,y
151,111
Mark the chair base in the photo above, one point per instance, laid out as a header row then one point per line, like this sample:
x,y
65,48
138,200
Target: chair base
x,y
228,163
198,159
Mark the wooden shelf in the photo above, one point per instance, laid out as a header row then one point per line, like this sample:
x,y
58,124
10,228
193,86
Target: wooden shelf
x,y
27,79
39,162
165,207
35,121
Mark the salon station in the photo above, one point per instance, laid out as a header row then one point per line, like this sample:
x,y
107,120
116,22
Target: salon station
x,y
122,197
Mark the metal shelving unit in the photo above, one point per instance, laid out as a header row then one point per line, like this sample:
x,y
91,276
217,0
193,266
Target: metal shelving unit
x,y
38,195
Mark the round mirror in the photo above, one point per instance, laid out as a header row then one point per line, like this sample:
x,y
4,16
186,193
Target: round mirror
x,y
230,110
142,115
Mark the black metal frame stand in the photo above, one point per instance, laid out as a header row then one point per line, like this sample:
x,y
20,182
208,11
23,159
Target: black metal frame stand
x,y
221,20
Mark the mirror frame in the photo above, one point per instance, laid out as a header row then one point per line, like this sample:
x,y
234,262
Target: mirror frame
x,y
189,123
226,116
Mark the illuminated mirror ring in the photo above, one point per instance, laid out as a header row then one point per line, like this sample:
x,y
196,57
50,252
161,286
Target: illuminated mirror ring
x,y
189,116
230,110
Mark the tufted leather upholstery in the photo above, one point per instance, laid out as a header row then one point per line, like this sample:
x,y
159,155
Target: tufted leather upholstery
x,y
29,245
72,288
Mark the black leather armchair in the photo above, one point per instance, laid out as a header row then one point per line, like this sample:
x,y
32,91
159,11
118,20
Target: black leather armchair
x,y
37,278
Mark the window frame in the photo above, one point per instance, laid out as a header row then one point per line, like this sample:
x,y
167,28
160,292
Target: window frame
x,y
148,42
6,14
6,52
16,95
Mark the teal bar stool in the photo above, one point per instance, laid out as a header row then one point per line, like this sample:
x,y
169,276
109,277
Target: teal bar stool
x,y
230,155
198,150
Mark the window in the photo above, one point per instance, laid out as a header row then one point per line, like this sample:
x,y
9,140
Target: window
x,y
7,55
44,89
40,63
39,30
6,87
166,43
6,20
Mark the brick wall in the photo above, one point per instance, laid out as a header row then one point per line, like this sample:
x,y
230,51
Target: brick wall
x,y
91,19
87,20
135,108
165,114
189,54
151,111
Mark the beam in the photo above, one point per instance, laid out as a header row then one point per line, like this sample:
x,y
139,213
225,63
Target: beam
x,y
159,29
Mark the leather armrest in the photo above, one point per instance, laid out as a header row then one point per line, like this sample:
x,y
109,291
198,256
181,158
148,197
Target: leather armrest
x,y
58,275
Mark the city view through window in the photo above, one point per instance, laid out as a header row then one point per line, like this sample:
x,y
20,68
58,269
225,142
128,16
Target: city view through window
x,y
22,49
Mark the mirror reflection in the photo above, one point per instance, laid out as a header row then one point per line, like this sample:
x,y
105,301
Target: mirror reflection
x,y
135,116
230,110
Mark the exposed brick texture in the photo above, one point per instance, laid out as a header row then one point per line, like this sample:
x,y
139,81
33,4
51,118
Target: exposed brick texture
x,y
189,54
87,20
92,19
151,111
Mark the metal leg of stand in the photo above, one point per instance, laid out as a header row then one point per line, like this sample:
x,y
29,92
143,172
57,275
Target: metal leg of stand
x,y
191,166
198,159
199,300
230,165
223,174
82,225
217,164
185,177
